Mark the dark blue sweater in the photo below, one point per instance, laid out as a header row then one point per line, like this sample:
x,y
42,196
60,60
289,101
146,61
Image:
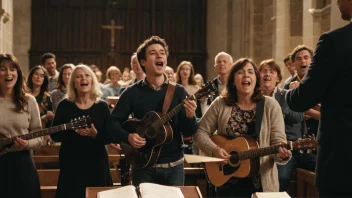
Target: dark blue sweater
x,y
140,98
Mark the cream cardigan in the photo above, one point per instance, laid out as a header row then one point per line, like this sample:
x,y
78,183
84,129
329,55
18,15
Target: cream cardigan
x,y
272,132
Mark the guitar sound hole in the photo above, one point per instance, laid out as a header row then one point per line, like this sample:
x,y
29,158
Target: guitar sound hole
x,y
234,160
150,131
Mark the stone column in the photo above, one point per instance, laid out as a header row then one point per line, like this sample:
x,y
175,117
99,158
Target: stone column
x,y
335,17
22,32
227,30
308,28
6,26
217,33
282,31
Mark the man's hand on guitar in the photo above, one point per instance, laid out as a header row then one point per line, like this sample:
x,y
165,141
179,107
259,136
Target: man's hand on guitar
x,y
135,140
190,107
220,153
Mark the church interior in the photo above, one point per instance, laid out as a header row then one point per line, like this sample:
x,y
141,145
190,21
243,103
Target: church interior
x,y
107,32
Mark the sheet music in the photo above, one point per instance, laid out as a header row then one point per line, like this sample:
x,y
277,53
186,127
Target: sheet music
x,y
270,195
126,191
199,159
150,190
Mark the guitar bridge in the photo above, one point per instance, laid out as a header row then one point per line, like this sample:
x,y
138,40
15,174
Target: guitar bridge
x,y
219,166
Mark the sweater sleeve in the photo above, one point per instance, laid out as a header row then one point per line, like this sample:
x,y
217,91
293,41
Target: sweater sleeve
x,y
34,123
207,126
103,135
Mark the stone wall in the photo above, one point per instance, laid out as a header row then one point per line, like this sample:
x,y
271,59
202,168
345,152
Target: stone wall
x,y
22,32
6,26
258,29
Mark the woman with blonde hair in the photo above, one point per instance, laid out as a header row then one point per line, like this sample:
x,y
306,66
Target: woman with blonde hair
x,y
83,157
113,75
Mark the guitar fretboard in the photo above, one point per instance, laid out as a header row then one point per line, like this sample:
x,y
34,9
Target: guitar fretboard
x,y
250,154
36,134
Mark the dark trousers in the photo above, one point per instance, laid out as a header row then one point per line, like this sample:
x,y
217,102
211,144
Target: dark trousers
x,y
19,177
173,176
299,160
243,188
334,192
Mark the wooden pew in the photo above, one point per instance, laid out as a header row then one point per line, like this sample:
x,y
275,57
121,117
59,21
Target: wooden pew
x,y
306,183
55,149
48,179
52,161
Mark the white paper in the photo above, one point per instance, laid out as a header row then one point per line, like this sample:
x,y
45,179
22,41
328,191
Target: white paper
x,y
270,195
126,191
200,159
150,190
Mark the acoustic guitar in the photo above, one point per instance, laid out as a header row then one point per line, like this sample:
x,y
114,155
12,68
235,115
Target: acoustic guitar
x,y
244,159
77,123
155,128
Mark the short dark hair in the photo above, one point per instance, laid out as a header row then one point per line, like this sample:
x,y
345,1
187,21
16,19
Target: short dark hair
x,y
273,65
298,49
287,58
141,50
230,91
46,56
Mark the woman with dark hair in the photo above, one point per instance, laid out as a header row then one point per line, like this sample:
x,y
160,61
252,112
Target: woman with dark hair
x,y
60,90
38,83
20,116
185,76
233,115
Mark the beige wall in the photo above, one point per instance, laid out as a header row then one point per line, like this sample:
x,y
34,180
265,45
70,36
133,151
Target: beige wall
x,y
282,33
335,18
227,30
6,26
15,20
22,32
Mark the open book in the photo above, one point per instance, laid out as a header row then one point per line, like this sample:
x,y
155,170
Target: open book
x,y
270,195
145,190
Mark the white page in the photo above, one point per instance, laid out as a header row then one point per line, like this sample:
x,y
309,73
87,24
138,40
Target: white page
x,y
150,190
199,159
126,191
270,195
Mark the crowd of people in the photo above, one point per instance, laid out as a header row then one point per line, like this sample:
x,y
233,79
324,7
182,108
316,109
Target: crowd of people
x,y
250,101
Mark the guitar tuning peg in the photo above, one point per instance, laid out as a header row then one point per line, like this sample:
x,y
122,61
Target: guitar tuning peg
x,y
301,151
75,119
309,151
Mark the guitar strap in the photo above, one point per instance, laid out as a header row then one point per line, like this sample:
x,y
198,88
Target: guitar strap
x,y
168,96
259,116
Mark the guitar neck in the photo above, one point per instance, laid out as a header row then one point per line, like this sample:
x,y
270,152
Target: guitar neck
x,y
40,133
250,154
165,118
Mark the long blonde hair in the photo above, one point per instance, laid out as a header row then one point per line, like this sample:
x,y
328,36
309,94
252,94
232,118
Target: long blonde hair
x,y
95,92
